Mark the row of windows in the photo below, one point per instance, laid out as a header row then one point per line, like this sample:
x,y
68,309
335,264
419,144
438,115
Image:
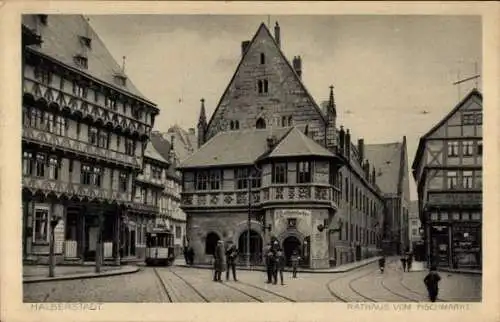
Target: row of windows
x,y
41,165
359,234
242,176
465,148
355,196
45,121
465,179
81,90
456,215
279,174
472,118
147,196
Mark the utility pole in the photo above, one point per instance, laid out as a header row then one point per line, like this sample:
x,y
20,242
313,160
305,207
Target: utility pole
x,y
475,77
99,250
54,220
249,184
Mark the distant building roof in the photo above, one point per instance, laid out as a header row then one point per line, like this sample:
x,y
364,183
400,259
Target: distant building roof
x,y
386,158
233,148
61,41
152,153
185,142
163,147
296,143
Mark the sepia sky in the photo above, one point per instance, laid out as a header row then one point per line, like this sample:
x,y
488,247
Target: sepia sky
x,y
386,69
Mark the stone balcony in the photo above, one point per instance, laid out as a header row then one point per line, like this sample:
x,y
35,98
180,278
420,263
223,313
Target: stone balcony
x,y
53,140
70,190
320,194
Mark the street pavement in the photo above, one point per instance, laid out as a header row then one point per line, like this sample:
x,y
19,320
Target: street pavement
x,y
181,284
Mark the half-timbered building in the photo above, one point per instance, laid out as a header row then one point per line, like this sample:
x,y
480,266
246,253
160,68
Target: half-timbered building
x,y
84,130
310,186
448,171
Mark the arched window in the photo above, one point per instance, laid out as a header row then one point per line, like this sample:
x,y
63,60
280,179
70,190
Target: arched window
x,y
262,58
231,125
259,84
265,86
236,125
260,124
211,243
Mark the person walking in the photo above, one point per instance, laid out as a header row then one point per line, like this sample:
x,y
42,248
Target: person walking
x,y
431,281
268,254
381,263
409,260
231,254
295,258
403,261
219,261
279,266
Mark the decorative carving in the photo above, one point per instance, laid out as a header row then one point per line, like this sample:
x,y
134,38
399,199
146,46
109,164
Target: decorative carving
x,y
228,198
241,198
291,193
266,194
321,193
214,199
187,200
202,199
279,193
304,193
255,197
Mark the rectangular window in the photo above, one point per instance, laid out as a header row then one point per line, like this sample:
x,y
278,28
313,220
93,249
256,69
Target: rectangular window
x,y
479,118
467,179
451,179
215,180
49,122
241,176
41,233
60,126
91,175
304,172
86,174
28,163
40,165
279,173
452,148
178,232
79,90
478,179
103,139
347,189
467,147
53,168
123,181
479,147
93,135
468,119
129,147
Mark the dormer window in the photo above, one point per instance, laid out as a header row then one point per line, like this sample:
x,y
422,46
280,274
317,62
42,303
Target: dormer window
x,y
81,61
43,19
120,80
86,41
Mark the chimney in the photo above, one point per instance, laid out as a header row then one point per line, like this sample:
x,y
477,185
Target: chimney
x,y
374,175
361,150
271,141
366,168
171,153
244,47
342,139
191,131
297,65
348,144
277,36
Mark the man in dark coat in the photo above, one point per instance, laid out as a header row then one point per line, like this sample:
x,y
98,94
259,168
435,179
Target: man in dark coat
x,y
268,257
219,265
231,254
431,281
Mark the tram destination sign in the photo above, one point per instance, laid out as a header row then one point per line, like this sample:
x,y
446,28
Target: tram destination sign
x,y
455,199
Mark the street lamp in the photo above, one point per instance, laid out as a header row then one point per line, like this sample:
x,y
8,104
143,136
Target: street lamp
x,y
54,220
249,184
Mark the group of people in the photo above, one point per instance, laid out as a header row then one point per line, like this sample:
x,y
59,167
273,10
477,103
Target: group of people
x,y
407,260
274,258
224,260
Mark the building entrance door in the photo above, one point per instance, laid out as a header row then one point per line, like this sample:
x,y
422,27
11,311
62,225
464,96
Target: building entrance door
x,y
255,246
290,244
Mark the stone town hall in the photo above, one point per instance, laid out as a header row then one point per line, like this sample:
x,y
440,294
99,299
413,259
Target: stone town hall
x,y
270,154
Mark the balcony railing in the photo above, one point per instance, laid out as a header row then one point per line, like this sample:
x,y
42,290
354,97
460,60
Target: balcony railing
x,y
65,143
69,190
307,193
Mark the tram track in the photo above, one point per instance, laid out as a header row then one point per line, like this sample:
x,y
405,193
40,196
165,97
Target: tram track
x,y
163,285
203,297
349,285
268,291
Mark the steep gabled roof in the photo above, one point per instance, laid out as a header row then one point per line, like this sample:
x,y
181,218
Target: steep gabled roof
x,y
296,144
386,158
296,76
153,154
421,143
61,41
233,148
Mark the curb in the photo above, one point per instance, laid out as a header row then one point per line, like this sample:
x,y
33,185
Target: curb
x,y
454,271
262,269
129,270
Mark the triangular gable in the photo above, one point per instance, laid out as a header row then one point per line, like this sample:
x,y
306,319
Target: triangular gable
x,y
262,30
463,103
296,143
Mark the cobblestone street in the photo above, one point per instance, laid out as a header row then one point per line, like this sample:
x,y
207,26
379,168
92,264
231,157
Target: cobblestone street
x,y
179,284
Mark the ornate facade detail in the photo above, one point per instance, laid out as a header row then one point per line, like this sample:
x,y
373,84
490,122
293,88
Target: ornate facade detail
x,y
228,198
214,199
187,199
291,192
321,193
279,193
255,197
241,197
202,199
304,193
266,194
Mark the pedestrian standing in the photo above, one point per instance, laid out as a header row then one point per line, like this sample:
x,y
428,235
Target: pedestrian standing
x,y
219,261
279,266
403,261
409,259
381,263
295,258
268,254
231,254
431,281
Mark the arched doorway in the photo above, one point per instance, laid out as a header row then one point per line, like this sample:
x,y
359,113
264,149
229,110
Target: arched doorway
x,y
261,123
211,243
290,244
256,244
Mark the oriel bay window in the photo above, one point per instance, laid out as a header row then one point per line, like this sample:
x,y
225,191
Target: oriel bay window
x,y
304,172
279,173
208,180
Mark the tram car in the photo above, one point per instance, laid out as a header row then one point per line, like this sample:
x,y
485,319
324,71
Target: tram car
x,y
159,247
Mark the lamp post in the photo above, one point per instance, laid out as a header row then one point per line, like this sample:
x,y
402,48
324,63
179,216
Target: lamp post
x,y
99,250
54,220
249,185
